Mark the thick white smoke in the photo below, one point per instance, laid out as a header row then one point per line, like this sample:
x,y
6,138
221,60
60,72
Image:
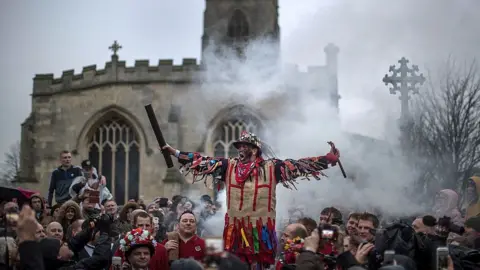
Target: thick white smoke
x,y
304,121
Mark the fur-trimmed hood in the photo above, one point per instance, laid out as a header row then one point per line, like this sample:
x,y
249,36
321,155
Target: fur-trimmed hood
x,y
63,210
124,212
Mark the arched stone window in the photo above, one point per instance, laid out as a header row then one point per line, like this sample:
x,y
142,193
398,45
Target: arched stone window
x,y
238,28
238,32
229,131
114,149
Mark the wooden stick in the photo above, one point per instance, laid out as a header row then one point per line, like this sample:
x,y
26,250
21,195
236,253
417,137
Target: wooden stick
x,y
158,134
335,150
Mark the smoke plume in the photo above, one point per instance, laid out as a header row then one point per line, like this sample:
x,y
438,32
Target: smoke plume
x,y
425,32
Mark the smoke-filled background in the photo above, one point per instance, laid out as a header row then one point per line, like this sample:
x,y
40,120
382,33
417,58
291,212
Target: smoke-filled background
x,y
371,35
427,33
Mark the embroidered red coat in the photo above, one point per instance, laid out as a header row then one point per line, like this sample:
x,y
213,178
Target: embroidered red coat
x,y
249,230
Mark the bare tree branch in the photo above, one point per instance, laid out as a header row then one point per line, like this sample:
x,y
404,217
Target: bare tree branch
x,y
11,165
444,132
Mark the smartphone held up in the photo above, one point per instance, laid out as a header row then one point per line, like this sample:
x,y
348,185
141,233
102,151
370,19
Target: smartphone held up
x,y
442,258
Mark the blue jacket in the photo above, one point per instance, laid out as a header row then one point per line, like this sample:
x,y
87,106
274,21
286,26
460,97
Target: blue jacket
x,y
60,182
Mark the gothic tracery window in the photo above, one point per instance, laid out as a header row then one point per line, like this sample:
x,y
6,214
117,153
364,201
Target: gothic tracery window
x,y
229,132
114,149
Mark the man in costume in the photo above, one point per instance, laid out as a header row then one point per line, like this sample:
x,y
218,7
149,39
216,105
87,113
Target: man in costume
x,y
250,182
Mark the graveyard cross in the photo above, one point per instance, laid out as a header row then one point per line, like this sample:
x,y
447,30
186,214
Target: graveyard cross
x,y
404,80
115,47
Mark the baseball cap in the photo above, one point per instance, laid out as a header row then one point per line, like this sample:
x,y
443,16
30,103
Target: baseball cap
x,y
86,164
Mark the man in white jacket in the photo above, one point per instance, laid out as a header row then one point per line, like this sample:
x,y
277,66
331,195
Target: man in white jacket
x,y
90,180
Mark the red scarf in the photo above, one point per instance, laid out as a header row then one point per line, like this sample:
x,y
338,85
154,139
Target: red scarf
x,y
245,170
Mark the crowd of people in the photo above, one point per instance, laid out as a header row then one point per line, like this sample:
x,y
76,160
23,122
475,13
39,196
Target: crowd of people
x,y
86,229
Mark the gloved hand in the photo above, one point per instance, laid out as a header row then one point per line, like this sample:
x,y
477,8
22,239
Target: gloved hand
x,y
104,222
334,154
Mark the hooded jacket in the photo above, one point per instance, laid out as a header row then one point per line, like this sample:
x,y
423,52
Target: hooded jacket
x,y
450,207
474,208
42,216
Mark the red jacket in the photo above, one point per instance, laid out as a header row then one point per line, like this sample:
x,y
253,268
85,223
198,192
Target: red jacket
x,y
193,248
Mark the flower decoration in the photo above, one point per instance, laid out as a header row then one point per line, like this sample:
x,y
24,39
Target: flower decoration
x,y
249,138
294,245
291,250
136,237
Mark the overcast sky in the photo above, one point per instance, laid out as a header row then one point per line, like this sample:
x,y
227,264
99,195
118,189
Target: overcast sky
x,y
56,35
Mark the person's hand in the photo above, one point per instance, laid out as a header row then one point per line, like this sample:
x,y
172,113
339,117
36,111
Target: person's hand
x,y
169,149
125,265
362,253
334,150
311,242
333,155
171,245
27,224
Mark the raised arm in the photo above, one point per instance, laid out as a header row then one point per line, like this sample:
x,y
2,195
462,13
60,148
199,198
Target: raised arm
x,y
286,171
199,166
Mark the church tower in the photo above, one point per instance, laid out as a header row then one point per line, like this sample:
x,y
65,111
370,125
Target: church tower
x,y
234,24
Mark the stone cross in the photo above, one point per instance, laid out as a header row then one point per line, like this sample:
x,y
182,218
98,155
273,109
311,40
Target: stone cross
x,y
404,80
115,47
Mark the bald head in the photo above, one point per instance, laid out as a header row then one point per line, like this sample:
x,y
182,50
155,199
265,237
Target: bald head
x,y
55,230
294,230
76,226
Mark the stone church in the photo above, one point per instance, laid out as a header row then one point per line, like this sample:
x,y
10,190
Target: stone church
x,y
97,113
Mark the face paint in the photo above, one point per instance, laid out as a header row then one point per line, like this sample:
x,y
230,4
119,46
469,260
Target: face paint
x,y
244,153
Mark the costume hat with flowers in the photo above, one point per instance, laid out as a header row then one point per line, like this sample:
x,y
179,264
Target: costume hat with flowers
x,y
291,249
248,138
137,238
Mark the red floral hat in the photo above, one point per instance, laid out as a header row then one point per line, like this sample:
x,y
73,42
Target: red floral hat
x,y
137,238
248,138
